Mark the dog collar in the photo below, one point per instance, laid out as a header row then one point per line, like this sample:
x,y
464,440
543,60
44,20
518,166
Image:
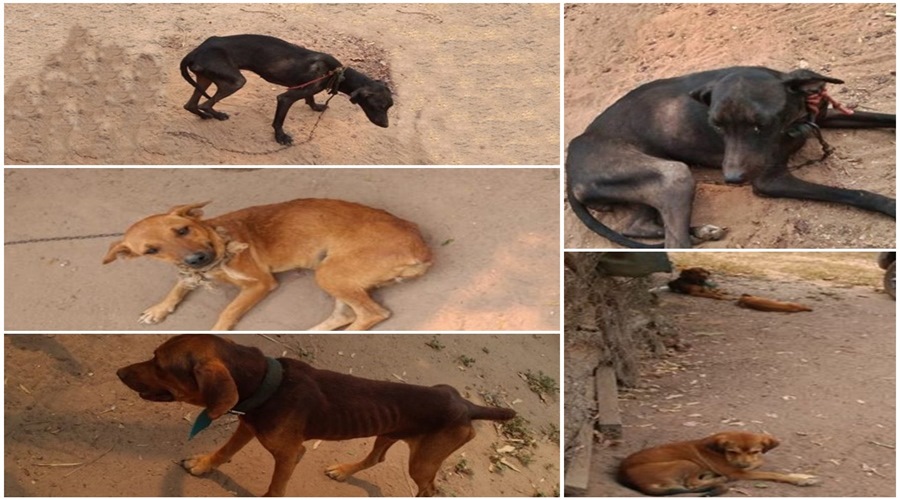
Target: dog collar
x,y
274,374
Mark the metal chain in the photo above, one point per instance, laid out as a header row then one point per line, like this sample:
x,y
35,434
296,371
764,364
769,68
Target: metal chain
x,y
62,238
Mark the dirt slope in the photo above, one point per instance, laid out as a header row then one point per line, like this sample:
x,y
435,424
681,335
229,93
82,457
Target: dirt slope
x,y
611,49
475,84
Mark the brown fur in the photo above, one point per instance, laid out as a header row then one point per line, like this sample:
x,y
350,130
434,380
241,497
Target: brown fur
x,y
704,465
351,247
692,281
769,305
215,373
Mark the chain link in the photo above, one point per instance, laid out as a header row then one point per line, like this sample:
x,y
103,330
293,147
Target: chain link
x,y
62,238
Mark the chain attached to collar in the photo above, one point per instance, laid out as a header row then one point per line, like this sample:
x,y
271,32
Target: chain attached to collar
x,y
193,278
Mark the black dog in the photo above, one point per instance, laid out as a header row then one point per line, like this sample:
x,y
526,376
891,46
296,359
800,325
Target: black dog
x,y
306,73
746,120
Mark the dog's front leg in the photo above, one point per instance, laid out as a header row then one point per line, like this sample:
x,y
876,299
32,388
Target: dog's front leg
x,y
159,312
285,101
287,454
248,297
202,464
794,478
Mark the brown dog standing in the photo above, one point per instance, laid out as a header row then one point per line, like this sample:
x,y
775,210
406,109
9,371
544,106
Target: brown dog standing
x,y
704,465
284,402
351,247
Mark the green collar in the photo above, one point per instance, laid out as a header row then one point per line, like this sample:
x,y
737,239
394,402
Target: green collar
x,y
274,374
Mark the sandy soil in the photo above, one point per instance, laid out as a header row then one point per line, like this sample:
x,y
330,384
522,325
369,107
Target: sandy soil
x,y
64,405
475,84
853,42
494,232
822,382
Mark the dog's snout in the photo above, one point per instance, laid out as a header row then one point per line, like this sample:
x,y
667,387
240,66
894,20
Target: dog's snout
x,y
198,259
122,373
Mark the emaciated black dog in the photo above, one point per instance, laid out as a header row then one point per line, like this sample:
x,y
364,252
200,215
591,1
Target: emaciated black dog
x,y
220,60
746,120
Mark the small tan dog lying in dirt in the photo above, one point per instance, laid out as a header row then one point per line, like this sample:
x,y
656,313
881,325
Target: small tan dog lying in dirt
x,y
769,305
352,249
704,466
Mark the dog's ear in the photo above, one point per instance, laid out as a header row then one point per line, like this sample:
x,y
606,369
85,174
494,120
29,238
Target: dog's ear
x,y
703,94
191,211
356,94
217,387
805,81
116,250
717,443
769,442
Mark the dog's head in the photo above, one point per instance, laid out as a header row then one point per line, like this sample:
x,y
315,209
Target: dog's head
x,y
194,369
753,110
375,100
179,237
743,450
695,275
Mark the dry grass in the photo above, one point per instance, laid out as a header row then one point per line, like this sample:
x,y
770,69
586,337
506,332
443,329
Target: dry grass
x,y
845,268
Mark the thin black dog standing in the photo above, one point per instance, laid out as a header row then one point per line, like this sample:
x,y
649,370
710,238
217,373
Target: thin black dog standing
x,y
220,60
746,120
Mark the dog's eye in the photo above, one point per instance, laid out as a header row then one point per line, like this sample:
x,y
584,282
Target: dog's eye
x,y
757,129
182,231
151,251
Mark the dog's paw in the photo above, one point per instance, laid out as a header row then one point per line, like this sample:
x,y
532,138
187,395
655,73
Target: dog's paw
x,y
154,315
198,465
283,138
804,479
337,473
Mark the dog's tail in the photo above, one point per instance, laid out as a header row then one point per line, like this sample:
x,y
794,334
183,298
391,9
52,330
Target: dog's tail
x,y
187,76
490,412
598,227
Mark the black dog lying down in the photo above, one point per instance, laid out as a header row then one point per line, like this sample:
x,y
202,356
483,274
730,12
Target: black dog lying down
x,y
746,120
306,73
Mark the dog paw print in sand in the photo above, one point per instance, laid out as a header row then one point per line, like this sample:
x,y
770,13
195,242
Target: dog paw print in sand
x,y
90,102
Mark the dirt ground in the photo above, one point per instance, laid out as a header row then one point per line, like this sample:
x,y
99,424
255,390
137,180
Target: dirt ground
x,y
475,84
853,42
823,382
494,233
72,429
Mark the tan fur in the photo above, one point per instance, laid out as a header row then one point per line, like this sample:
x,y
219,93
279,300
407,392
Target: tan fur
x,y
351,247
769,305
704,465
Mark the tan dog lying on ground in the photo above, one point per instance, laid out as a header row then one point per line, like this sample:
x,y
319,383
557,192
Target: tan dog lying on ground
x,y
351,247
285,402
703,466
769,305
694,281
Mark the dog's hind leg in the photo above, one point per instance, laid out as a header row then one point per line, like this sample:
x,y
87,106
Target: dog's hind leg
x,y
368,312
343,471
427,453
342,315
203,83
644,223
225,86
616,173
